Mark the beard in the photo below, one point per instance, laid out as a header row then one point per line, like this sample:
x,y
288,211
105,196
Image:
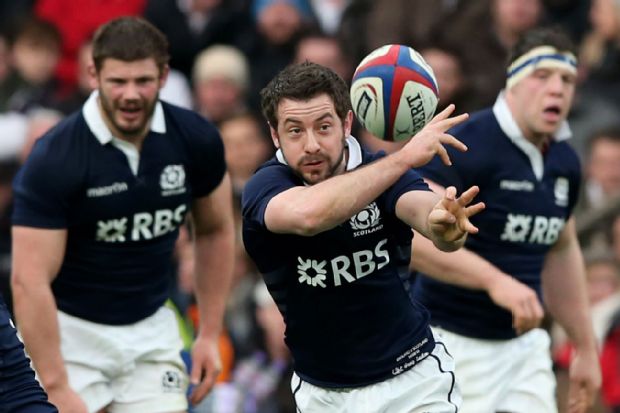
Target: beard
x,y
331,167
110,108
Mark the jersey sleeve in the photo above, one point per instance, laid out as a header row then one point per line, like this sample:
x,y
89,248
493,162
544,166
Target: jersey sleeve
x,y
43,189
410,181
260,189
207,157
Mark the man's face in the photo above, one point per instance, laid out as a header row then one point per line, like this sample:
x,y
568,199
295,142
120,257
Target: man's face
x,y
604,165
312,137
540,102
128,92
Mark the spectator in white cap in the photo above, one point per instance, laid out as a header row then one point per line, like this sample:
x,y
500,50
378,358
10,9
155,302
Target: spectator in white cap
x,y
221,79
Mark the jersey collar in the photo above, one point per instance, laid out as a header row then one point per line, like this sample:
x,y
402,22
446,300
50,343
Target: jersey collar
x,y
509,126
355,154
97,126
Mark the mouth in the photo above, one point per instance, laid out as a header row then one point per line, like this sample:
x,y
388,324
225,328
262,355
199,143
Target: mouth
x,y
130,113
552,113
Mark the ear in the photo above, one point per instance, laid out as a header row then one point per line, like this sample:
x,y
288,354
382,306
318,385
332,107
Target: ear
x,y
348,123
274,136
164,76
93,79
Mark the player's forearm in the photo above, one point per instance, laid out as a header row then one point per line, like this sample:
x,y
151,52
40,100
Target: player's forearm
x,y
463,267
564,288
323,206
36,314
214,269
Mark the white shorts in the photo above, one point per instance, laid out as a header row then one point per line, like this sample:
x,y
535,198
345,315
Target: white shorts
x,y
503,375
129,368
428,387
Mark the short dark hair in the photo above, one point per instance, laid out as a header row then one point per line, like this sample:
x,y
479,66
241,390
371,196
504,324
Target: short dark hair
x,y
129,39
39,33
304,81
609,133
542,36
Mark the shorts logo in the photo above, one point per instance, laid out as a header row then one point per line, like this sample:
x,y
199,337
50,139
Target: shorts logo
x,y
171,381
366,221
172,180
561,191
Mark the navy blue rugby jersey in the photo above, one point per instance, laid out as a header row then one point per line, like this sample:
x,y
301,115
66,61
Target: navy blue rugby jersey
x,y
343,293
529,196
121,208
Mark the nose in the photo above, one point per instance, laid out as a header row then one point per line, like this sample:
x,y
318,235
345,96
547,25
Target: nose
x,y
556,84
131,92
311,144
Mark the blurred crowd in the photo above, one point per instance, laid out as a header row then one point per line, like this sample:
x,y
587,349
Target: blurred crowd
x,y
223,52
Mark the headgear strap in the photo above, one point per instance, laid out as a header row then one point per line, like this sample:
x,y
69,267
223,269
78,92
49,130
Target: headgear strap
x,y
539,57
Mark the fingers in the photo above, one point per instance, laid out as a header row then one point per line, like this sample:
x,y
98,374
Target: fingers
x,y
443,154
577,397
474,209
527,316
447,139
468,196
444,114
203,387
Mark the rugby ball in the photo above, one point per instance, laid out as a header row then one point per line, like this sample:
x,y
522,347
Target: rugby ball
x,y
394,92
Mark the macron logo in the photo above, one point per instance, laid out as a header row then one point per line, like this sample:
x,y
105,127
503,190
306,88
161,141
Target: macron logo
x,y
115,188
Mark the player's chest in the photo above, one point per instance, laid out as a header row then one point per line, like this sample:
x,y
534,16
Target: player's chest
x,y
524,209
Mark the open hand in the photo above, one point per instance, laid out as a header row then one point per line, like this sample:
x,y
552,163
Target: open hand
x,y
431,139
449,218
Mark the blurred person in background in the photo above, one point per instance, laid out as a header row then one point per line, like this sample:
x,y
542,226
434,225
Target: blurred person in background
x,y
453,81
600,50
247,147
77,21
35,52
279,23
124,172
602,180
221,78
194,25
325,50
487,31
603,286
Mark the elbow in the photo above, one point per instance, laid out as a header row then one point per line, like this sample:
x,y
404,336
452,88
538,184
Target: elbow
x,y
310,222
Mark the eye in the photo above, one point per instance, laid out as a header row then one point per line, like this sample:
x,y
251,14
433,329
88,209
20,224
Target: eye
x,y
326,127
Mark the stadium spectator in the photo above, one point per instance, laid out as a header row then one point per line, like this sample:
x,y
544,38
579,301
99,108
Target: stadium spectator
x,y
247,147
280,23
357,341
77,21
527,247
221,78
324,50
100,200
602,181
194,25
493,27
35,51
448,67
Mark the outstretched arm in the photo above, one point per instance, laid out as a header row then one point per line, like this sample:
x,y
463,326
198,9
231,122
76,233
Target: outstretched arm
x,y
445,220
564,287
308,210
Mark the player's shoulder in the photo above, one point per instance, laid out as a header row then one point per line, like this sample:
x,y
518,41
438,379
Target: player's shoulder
x,y
64,141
